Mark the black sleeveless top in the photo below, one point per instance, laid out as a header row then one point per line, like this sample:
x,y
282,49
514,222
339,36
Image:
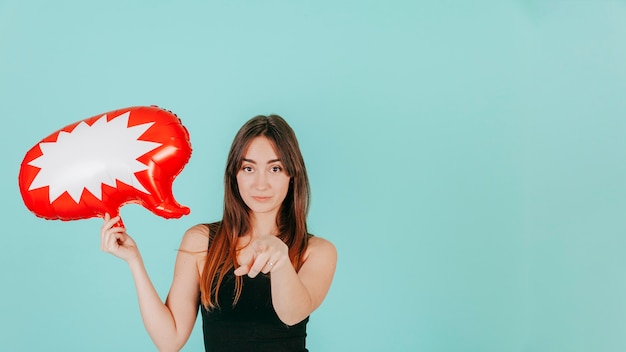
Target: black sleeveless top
x,y
252,324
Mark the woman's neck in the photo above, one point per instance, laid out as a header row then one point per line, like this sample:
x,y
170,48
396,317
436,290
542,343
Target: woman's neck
x,y
263,224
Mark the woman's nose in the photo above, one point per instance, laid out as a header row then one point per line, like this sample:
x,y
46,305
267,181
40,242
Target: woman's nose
x,y
261,180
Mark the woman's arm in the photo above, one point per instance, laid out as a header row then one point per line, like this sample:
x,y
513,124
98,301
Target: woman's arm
x,y
170,324
295,295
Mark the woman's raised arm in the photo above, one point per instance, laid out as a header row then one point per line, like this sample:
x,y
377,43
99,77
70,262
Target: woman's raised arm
x,y
169,324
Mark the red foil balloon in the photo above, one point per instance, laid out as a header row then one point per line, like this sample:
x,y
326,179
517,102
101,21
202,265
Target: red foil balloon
x,y
97,165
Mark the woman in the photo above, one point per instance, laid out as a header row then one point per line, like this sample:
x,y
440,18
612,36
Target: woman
x,y
257,274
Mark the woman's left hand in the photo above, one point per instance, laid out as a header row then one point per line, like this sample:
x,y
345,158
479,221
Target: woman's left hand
x,y
264,254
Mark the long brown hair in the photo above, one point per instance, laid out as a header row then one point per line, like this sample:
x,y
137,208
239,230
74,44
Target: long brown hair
x,y
291,219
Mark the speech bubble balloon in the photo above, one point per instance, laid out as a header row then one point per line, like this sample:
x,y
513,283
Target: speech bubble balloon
x,y
97,165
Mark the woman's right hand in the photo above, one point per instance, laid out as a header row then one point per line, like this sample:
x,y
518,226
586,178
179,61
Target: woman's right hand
x,y
116,241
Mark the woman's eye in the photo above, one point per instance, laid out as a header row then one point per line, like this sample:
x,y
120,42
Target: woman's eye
x,y
276,169
247,169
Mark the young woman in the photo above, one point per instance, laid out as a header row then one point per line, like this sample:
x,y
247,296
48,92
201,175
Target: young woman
x,y
257,274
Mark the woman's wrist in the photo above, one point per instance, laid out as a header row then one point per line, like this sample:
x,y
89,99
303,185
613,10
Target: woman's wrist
x,y
135,262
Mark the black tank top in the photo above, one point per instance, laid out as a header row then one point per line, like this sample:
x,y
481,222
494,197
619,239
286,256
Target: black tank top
x,y
252,324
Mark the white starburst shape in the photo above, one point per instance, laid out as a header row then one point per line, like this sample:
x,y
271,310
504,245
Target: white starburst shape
x,y
90,156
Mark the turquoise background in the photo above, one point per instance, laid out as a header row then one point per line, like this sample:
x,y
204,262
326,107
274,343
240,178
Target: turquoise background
x,y
467,158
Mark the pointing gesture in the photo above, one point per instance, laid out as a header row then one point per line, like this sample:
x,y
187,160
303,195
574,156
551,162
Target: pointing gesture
x,y
262,255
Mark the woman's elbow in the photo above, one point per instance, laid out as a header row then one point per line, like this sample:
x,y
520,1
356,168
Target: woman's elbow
x,y
291,317
172,345
292,320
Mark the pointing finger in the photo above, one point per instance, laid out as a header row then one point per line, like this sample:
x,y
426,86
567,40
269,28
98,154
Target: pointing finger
x,y
242,270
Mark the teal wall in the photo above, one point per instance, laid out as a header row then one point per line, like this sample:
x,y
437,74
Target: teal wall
x,y
467,158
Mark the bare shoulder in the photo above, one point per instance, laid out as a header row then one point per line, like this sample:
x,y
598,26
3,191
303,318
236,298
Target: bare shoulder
x,y
321,247
316,242
195,239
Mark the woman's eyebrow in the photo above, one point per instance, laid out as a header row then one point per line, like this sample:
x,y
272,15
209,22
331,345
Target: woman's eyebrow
x,y
254,162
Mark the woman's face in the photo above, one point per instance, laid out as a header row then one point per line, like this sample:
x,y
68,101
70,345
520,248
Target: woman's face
x,y
262,179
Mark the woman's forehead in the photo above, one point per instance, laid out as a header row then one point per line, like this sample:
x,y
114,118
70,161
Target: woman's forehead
x,y
261,149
